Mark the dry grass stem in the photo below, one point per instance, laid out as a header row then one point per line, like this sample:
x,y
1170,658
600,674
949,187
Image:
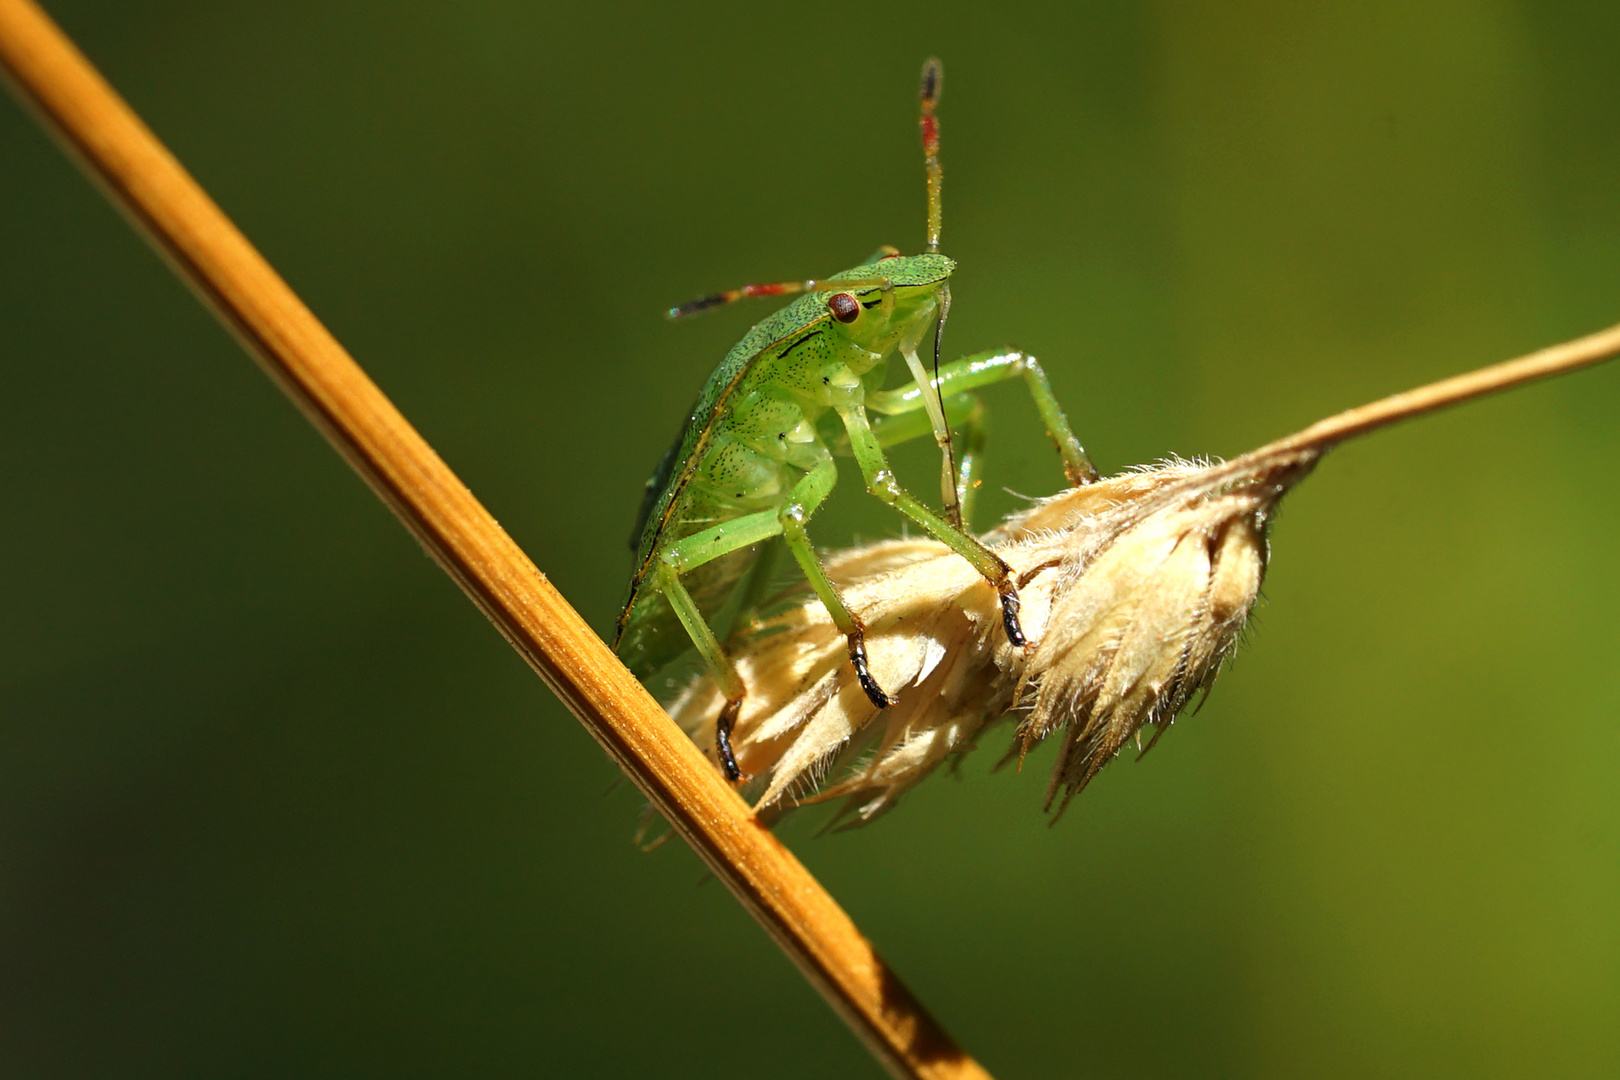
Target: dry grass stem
x,y
1135,591
144,180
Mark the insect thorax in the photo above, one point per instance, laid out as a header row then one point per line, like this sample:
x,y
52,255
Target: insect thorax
x,y
769,428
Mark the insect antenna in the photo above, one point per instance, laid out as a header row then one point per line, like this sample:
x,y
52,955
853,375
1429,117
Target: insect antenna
x,y
780,288
932,76
704,303
932,81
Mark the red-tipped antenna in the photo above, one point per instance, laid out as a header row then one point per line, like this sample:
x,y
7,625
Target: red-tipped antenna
x,y
703,303
931,79
779,288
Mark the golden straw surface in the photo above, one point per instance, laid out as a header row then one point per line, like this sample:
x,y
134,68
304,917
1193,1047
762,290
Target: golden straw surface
x,y
145,181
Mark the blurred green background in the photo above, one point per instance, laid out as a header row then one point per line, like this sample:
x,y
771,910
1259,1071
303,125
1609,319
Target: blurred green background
x,y
276,801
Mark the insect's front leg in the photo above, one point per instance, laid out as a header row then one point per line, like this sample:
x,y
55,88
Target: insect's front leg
x,y
967,417
930,397
982,369
880,481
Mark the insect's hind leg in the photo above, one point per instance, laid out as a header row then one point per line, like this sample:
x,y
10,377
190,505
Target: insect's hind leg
x,y
993,366
688,554
714,657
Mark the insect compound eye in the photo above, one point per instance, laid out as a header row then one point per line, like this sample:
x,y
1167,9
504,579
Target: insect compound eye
x,y
844,307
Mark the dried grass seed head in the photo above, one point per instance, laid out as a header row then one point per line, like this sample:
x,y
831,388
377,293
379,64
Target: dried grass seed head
x,y
1135,590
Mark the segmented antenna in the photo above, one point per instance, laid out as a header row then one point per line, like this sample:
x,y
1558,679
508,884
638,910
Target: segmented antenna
x,y
704,303
780,288
931,77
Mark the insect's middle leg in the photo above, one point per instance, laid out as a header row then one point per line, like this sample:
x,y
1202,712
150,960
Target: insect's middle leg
x,y
803,500
880,481
788,521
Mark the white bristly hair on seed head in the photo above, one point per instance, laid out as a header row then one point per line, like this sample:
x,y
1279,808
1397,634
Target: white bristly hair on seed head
x,y
1135,590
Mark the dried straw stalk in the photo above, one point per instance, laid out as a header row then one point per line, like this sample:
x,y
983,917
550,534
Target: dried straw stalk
x,y
142,179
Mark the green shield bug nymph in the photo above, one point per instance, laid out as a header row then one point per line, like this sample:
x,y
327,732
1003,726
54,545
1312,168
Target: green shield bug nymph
x,y
755,458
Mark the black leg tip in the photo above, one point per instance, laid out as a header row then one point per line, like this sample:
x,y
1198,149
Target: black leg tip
x,y
1009,616
874,692
722,740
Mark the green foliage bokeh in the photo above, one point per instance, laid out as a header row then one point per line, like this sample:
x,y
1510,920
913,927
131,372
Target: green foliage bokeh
x,y
275,800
